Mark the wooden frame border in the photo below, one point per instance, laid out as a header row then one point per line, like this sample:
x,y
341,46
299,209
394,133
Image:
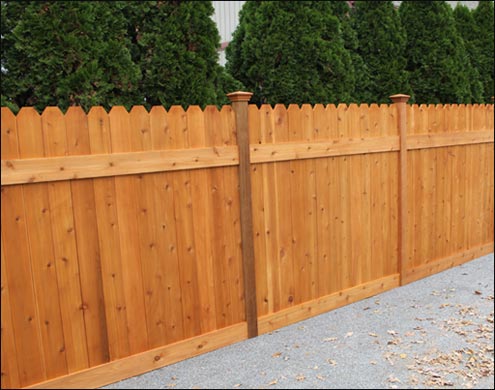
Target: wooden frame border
x,y
422,141
337,147
147,361
46,169
321,305
436,266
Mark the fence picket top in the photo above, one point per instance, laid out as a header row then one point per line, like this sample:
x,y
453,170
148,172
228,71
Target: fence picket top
x,y
140,127
281,128
196,125
9,134
306,117
374,123
228,125
321,122
76,123
254,124
341,116
267,124
160,129
120,130
364,125
54,132
99,131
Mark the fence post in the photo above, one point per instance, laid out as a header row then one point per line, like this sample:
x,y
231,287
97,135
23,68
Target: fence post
x,y
400,102
240,106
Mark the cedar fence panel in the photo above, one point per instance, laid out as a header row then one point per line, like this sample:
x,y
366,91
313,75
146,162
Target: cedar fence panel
x,y
95,270
127,242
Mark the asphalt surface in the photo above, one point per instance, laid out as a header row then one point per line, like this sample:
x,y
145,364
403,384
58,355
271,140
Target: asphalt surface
x,y
434,333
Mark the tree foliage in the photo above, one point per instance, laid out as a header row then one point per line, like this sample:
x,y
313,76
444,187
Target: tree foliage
x,y
165,52
66,53
175,45
111,53
468,30
437,61
483,16
291,52
382,42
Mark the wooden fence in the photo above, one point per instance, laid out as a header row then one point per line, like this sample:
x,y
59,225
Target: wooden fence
x,y
121,231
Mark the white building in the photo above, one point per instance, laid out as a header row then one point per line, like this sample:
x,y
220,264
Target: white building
x,y
226,17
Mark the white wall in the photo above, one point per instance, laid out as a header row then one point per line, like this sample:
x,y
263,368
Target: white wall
x,y
226,17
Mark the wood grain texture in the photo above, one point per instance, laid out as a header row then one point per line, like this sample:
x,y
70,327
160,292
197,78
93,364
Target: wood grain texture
x,y
65,246
41,240
147,361
26,325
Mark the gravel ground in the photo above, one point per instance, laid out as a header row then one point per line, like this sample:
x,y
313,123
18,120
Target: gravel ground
x,y
433,333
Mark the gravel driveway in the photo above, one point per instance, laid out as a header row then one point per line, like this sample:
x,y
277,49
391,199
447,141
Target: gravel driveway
x,y
433,333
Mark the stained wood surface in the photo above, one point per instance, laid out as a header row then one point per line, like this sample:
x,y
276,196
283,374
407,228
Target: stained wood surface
x,y
136,244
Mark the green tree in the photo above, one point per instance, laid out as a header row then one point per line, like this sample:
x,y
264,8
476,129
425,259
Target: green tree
x,y
436,56
175,45
65,53
468,30
291,52
382,42
484,21
360,74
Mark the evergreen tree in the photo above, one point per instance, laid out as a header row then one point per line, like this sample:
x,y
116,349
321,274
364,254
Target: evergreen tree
x,y
360,74
65,53
436,57
382,43
291,52
468,30
484,21
175,45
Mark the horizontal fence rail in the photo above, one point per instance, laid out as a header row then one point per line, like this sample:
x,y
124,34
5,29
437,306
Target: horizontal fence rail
x,y
135,239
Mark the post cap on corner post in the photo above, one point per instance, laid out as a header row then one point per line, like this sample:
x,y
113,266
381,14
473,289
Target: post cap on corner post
x,y
239,96
399,98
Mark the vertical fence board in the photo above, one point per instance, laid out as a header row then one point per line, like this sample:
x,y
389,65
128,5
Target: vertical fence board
x,y
326,275
258,124
65,246
271,212
168,277
256,128
124,139
10,368
232,221
202,231
185,230
377,201
109,239
343,202
441,173
19,276
414,122
447,185
301,220
285,202
334,205
38,216
309,135
394,168
365,194
388,160
357,223
148,236
88,250
217,193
